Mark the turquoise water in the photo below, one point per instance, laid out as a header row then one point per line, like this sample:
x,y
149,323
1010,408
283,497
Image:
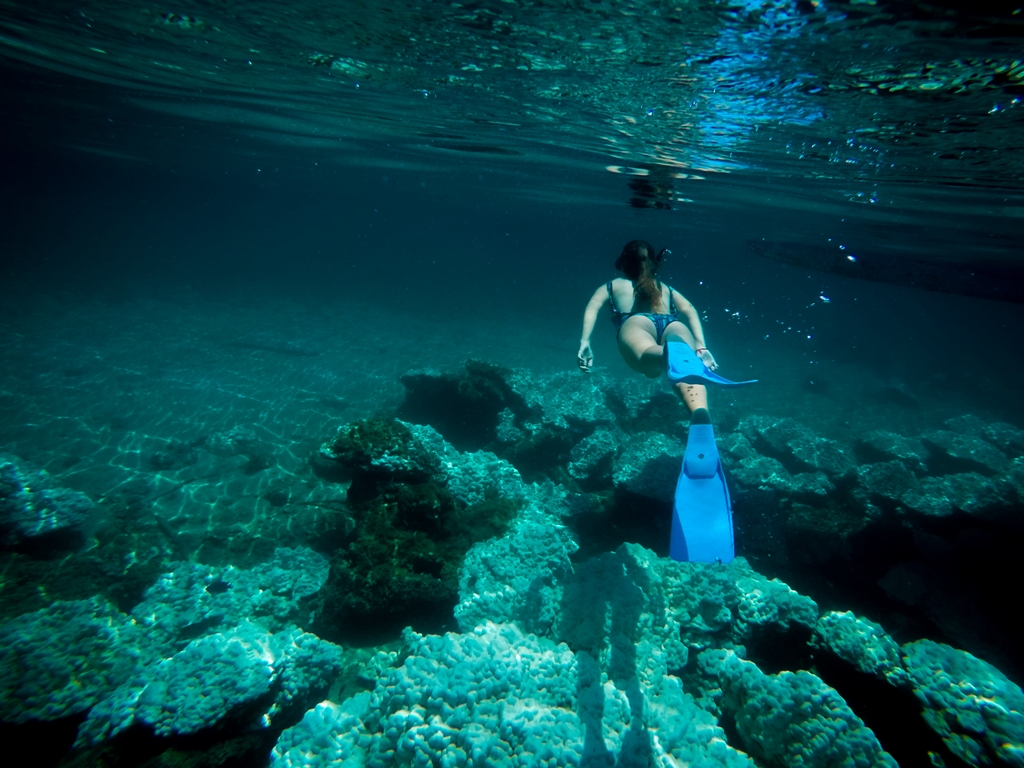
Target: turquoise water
x,y
241,239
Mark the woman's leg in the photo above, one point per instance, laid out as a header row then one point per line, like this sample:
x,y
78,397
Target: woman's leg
x,y
694,395
642,352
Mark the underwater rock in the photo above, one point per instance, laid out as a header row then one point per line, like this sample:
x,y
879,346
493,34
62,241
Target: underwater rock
x,y
36,514
629,618
892,487
762,602
86,655
954,452
420,505
791,718
243,672
824,456
543,452
591,458
641,405
614,609
466,407
648,466
885,484
879,445
498,695
574,402
515,578
771,436
1006,437
861,643
507,433
469,406
975,708
61,660
533,422
377,453
471,477
797,447
758,472
967,492
193,599
1013,479
736,447
380,450
633,616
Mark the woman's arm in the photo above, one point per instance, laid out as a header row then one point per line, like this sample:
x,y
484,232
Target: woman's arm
x,y
687,310
585,358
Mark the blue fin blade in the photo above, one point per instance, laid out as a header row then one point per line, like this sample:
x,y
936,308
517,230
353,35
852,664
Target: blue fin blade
x,y
685,365
702,514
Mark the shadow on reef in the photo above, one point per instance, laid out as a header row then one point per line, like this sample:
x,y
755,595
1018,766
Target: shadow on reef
x,y
50,740
227,746
622,516
950,579
413,528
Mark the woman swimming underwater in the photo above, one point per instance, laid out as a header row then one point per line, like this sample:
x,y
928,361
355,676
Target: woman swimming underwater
x,y
646,313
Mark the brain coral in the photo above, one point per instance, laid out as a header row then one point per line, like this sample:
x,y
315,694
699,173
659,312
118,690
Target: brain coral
x,y
793,718
497,696
62,660
975,708
214,677
862,643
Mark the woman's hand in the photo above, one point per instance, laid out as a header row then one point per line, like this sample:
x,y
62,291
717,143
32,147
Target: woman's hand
x,y
585,358
707,358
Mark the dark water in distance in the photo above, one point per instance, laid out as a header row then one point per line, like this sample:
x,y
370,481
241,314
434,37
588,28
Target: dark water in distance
x,y
475,141
454,180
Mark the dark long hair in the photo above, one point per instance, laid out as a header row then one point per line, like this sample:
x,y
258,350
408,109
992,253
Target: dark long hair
x,y
639,262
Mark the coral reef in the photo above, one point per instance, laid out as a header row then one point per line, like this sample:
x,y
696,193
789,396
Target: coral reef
x,y
935,513
565,653
976,710
420,506
515,578
37,514
62,660
861,643
498,695
792,718
243,672
648,465
204,643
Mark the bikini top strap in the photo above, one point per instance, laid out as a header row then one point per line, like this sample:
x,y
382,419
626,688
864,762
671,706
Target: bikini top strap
x,y
671,303
611,298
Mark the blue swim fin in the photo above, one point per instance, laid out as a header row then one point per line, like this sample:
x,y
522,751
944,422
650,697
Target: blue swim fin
x,y
683,364
702,513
